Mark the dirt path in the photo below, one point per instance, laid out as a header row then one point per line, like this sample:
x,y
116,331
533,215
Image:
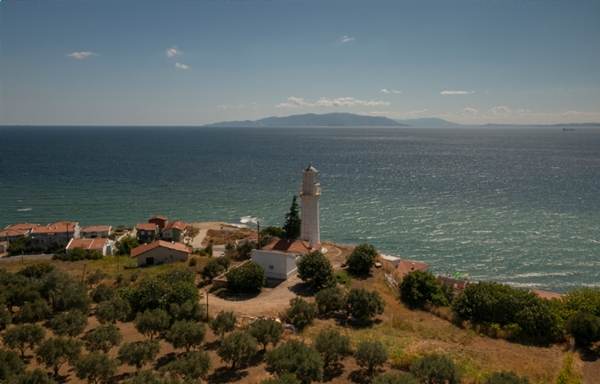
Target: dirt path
x,y
591,372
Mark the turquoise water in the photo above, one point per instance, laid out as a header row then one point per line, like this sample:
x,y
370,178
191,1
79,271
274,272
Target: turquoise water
x,y
515,205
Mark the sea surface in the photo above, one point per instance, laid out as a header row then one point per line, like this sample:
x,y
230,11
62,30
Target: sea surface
x,y
516,205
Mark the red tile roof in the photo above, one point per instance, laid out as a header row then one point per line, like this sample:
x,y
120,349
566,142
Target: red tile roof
x,y
13,232
135,252
146,227
177,224
92,244
58,227
20,226
404,267
97,228
291,246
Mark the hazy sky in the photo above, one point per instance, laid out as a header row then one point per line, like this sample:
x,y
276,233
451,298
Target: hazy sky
x,y
193,62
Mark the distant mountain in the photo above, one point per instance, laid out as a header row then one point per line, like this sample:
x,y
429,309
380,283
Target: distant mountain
x,y
429,122
314,120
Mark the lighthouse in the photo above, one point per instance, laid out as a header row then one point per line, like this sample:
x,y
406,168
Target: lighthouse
x,y
310,194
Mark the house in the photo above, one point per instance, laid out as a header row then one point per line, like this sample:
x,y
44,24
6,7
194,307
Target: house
x,y
55,234
146,232
174,231
404,267
279,257
3,248
160,252
160,221
94,231
16,231
100,244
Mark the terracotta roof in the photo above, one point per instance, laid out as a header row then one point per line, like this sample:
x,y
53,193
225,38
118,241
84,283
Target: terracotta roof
x,y
159,217
177,224
58,227
13,232
26,226
93,244
292,246
97,228
146,227
135,252
404,267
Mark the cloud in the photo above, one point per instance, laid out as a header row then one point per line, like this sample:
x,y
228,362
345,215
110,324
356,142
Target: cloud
x,y
300,102
388,91
173,52
81,55
346,39
455,92
500,110
179,65
470,111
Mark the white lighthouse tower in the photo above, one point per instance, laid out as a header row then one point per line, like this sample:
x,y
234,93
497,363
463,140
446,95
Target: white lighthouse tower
x,y
310,194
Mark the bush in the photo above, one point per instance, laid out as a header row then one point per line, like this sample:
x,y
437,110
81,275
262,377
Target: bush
x,y
435,369
370,355
395,378
70,323
23,336
96,367
222,323
296,358
186,334
190,367
315,269
237,347
300,313
422,288
34,311
266,331
214,268
138,353
585,328
583,300
361,260
505,378
102,292
330,301
37,270
5,318
247,278
112,310
151,323
125,245
37,376
190,310
77,254
539,323
55,352
103,338
332,346
363,305
286,378
10,365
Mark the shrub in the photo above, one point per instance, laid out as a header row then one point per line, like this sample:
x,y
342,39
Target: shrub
x,y
584,300
420,288
505,378
190,367
370,355
37,270
538,323
286,378
95,367
247,278
5,318
138,353
585,328
300,313
186,334
395,378
112,310
237,347
125,245
56,351
23,336
10,365
212,269
103,338
102,292
332,346
222,323
37,376
70,323
266,331
315,269
190,310
32,312
330,301
435,369
151,323
363,305
361,260
296,358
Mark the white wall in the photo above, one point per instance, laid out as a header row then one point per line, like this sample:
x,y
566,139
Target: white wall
x,y
277,265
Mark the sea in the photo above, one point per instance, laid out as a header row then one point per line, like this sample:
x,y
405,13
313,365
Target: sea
x,y
515,205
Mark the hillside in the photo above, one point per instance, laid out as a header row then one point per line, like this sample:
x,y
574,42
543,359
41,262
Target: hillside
x,y
314,120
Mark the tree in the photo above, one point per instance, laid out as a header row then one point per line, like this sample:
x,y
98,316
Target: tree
x,y
330,301
103,338
102,292
292,221
395,378
296,358
361,260
301,313
191,366
237,347
286,378
370,355
95,367
151,323
247,278
64,293
332,346
70,323
5,318
147,377
138,353
315,269
56,351
222,323
126,244
436,369
190,310
585,328
37,376
212,269
539,323
505,378
37,270
33,311
10,365
363,305
110,311
420,288
186,334
266,331
23,336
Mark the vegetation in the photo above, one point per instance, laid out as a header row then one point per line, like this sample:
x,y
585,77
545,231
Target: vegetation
x,y
292,224
363,305
138,353
125,245
247,278
190,367
96,368
215,267
419,289
110,311
70,323
56,351
295,357
585,328
505,378
186,334
102,292
361,260
266,331
77,254
23,336
10,365
332,346
152,322
222,323
395,378
370,355
237,348
103,338
37,376
330,301
315,269
300,313
436,369
286,378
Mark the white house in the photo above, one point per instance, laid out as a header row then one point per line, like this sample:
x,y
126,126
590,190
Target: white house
x,y
160,252
93,231
279,257
99,244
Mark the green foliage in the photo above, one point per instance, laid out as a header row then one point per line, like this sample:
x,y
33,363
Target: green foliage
x,y
332,346
585,328
505,378
222,323
33,311
63,292
539,323
568,374
5,318
23,336
215,267
186,334
266,331
420,288
370,355
330,301
315,269
584,300
237,348
361,260
301,313
70,323
363,305
102,292
37,376
286,378
110,311
190,310
56,351
190,367
267,234
146,377
10,365
247,278
342,277
151,323
103,338
292,224
395,378
37,270
95,277
296,358
244,249
125,245
138,353
96,368
77,254
435,369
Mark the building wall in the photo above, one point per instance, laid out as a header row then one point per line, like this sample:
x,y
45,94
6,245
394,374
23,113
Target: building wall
x,y
161,256
91,235
277,265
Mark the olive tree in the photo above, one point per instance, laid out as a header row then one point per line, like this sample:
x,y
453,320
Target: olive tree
x,y
186,334
436,369
316,270
361,260
301,313
370,355
70,323
330,301
332,346
95,367
55,352
103,338
137,353
296,358
113,310
222,323
363,305
191,367
237,347
266,331
152,322
10,365
23,336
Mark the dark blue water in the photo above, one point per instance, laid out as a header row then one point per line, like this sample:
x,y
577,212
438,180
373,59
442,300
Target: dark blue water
x,y
515,205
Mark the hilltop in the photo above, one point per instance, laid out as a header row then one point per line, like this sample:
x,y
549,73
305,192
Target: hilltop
x,y
314,120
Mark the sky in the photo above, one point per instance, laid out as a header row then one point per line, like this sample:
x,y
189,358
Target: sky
x,y
184,62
